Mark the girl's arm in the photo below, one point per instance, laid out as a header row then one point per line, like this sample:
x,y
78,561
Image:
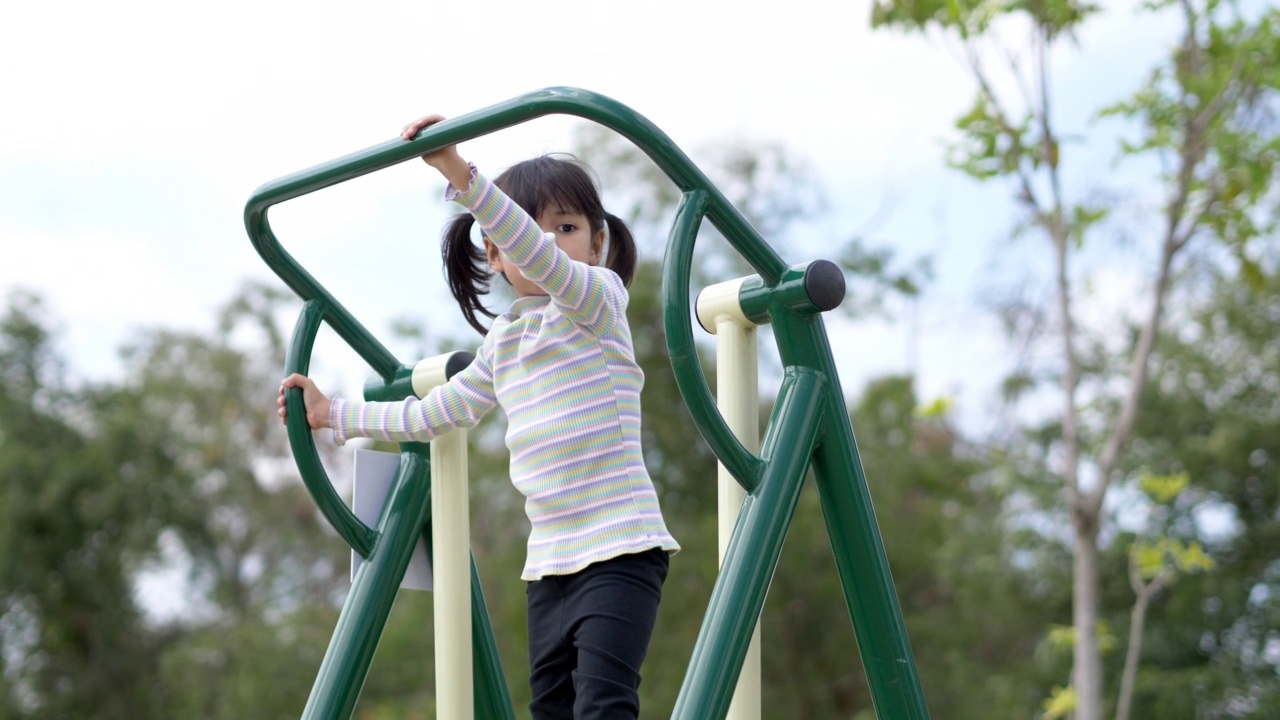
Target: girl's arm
x,y
593,297
590,296
461,402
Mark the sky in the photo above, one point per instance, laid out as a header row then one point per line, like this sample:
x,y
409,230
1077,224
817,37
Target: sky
x,y
135,132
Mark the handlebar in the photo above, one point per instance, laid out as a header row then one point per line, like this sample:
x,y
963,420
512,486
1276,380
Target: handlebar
x,y
320,306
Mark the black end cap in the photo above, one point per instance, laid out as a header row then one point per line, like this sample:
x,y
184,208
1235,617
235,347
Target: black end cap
x,y
456,363
824,284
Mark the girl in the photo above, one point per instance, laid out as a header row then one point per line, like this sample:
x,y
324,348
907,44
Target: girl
x,y
561,364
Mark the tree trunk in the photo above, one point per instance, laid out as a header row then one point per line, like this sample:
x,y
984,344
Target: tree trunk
x,y
1087,671
1138,619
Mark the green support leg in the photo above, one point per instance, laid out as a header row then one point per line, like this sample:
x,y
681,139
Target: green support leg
x,y
373,592
864,573
752,555
811,392
492,699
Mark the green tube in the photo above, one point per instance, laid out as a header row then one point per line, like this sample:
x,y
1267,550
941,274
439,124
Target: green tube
x,y
364,614
752,556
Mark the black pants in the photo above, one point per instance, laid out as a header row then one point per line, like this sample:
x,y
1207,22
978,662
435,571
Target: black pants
x,y
588,635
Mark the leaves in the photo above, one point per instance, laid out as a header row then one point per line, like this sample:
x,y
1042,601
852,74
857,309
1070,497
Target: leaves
x,y
1060,703
971,18
991,146
938,408
1164,488
1154,556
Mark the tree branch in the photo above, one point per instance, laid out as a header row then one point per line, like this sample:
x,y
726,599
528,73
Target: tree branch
x,y
1192,153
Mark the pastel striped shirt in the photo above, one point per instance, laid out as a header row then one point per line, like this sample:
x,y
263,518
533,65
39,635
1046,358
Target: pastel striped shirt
x,y
563,368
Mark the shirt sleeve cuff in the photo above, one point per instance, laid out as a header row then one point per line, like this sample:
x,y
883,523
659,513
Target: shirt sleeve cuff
x,y
337,411
467,194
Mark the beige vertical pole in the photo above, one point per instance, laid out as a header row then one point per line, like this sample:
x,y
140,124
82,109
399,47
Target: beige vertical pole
x,y
737,395
451,556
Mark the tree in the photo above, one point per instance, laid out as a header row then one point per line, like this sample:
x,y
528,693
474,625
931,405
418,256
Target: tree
x,y
266,572
1213,414
86,498
971,606
1205,114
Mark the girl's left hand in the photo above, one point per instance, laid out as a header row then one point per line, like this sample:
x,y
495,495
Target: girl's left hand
x,y
446,159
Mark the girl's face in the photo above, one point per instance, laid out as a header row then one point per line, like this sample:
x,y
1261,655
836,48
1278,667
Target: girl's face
x,y
573,236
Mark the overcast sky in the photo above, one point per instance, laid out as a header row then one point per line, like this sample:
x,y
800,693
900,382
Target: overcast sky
x,y
133,133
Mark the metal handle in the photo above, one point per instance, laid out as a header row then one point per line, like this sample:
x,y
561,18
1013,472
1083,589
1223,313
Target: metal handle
x,y
561,100
303,443
678,321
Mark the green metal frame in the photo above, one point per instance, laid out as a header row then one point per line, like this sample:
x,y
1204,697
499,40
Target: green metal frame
x,y
809,428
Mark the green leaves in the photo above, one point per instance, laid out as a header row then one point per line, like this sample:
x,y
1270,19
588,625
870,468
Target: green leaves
x,y
1164,488
1060,704
1208,114
992,146
970,18
1155,556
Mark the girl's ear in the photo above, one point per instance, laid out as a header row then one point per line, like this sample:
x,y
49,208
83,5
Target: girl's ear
x,y
492,252
597,247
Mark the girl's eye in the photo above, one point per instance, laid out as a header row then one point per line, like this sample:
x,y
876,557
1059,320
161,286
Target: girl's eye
x,y
566,228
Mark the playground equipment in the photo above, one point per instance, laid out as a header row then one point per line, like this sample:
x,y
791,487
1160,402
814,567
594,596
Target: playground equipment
x,y
808,428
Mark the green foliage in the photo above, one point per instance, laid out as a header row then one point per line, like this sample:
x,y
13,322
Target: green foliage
x,y
1060,704
1206,118
1155,555
1214,414
974,617
1211,105
970,18
78,489
1164,488
1062,638
992,146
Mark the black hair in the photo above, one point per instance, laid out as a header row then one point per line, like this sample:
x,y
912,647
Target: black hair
x,y
562,182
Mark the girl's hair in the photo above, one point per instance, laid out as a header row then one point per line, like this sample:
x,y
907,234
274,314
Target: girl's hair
x,y
544,182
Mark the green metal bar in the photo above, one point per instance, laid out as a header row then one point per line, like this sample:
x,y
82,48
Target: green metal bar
x,y
303,443
864,572
791,441
364,614
492,698
678,320
338,317
752,556
855,535
556,100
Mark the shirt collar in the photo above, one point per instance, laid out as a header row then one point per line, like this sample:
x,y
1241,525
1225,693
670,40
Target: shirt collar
x,y
524,305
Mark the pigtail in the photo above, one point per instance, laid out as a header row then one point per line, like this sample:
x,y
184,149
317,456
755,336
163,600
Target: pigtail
x,y
622,249
466,267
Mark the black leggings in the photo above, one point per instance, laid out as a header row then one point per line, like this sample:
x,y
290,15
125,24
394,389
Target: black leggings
x,y
588,635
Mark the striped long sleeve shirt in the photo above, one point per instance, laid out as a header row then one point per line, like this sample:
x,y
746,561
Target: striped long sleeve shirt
x,y
563,369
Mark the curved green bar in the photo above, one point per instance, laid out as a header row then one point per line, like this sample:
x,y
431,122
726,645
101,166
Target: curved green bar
x,y
373,591
739,592
565,101
303,443
739,461
809,428
561,100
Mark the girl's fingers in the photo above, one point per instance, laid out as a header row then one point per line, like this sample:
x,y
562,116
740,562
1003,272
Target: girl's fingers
x,y
416,126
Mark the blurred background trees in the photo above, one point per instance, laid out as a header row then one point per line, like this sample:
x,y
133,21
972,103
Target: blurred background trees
x,y
159,557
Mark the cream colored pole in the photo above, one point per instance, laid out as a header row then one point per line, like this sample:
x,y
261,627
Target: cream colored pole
x,y
451,556
737,395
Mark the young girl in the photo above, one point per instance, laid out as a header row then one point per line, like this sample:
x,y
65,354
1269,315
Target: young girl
x,y
561,364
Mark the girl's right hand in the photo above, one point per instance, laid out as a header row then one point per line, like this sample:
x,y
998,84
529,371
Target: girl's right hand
x,y
313,400
446,159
